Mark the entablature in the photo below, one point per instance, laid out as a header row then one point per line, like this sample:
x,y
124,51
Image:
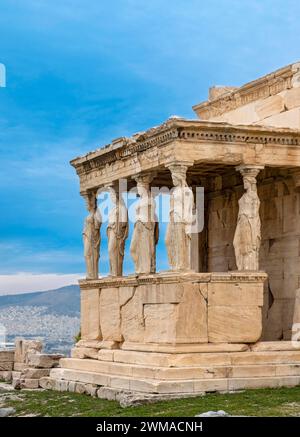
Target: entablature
x,y
192,140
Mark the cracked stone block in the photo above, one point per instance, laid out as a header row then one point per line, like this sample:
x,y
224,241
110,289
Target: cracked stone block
x,y
91,389
25,347
84,352
16,383
6,375
106,393
90,315
6,366
72,386
6,356
47,361
47,383
29,383
35,373
80,388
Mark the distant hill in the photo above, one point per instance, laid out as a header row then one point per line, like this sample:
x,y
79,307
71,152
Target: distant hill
x,y
62,301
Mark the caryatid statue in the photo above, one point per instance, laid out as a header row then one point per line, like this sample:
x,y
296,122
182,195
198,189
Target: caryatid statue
x,y
117,232
145,233
247,237
178,235
91,237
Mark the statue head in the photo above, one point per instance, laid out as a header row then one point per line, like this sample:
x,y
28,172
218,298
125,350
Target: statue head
x,y
250,183
249,174
178,173
113,195
142,189
143,184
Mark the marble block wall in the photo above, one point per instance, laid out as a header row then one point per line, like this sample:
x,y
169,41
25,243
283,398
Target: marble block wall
x,y
188,308
281,110
272,100
280,247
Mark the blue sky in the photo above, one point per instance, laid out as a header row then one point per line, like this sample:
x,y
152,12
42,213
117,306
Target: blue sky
x,y
80,73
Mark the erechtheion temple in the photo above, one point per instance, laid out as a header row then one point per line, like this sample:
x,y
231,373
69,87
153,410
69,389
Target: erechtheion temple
x,y
225,315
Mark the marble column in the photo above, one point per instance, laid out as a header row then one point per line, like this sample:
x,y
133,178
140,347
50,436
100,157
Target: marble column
x,y
117,231
247,237
145,233
178,235
91,236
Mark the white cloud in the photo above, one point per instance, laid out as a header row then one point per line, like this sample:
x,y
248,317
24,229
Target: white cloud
x,y
29,282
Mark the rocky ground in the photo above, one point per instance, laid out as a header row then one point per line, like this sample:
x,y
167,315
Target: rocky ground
x,y
263,402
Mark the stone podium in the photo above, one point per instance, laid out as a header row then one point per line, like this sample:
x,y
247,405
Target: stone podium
x,y
172,309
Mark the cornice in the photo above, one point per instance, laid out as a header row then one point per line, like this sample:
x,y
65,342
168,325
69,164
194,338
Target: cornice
x,y
263,87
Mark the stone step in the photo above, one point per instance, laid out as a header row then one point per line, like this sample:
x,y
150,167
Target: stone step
x,y
173,386
167,373
201,359
268,346
185,348
272,357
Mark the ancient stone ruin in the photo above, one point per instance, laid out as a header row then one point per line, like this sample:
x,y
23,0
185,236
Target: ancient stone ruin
x,y
26,364
226,315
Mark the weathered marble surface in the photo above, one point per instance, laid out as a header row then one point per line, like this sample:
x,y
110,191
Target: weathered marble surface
x,y
91,237
247,237
145,234
178,236
273,100
174,308
117,232
280,243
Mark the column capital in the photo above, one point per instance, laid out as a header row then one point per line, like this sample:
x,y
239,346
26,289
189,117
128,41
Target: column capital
x,y
112,187
178,171
249,170
174,166
144,178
